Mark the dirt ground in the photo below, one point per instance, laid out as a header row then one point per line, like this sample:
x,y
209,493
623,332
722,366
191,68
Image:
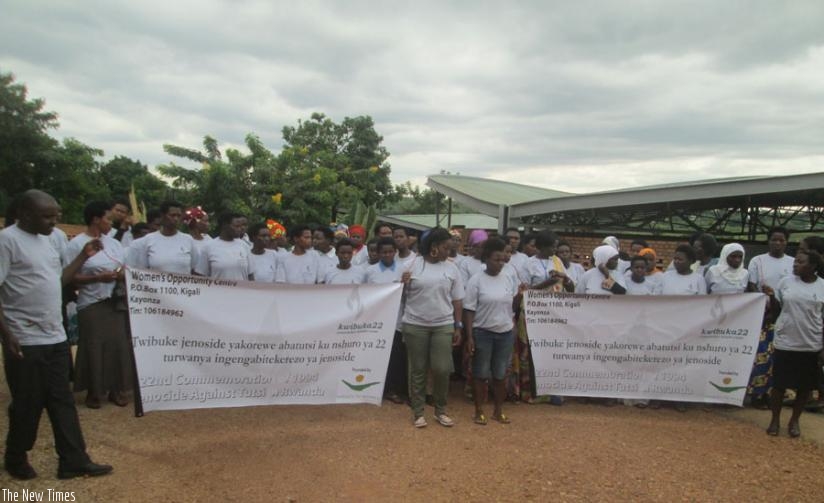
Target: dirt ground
x,y
577,452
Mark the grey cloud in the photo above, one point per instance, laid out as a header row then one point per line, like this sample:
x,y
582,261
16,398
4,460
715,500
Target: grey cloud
x,y
533,88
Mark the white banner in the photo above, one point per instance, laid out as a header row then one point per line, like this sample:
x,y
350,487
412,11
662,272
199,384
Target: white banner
x,y
681,348
202,343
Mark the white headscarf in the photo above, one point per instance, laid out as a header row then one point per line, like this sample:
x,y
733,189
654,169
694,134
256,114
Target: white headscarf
x,y
722,268
613,242
603,253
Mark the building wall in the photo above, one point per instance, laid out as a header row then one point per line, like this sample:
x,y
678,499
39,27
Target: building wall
x,y
582,247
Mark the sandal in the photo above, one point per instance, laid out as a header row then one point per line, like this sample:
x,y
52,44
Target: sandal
x,y
502,418
480,419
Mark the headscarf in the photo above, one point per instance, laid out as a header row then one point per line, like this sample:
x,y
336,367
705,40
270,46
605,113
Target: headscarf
x,y
477,236
276,230
722,268
357,229
341,231
613,242
195,214
603,254
649,252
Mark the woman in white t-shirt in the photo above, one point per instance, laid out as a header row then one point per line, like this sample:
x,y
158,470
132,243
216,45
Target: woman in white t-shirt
x,y
729,275
574,270
103,365
432,323
605,278
799,332
636,279
344,273
488,318
473,264
227,256
167,249
682,280
767,270
545,270
263,261
197,221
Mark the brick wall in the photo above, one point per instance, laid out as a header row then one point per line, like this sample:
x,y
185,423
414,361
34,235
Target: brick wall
x,y
582,247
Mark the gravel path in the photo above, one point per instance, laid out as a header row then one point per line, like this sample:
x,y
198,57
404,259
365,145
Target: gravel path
x,y
577,452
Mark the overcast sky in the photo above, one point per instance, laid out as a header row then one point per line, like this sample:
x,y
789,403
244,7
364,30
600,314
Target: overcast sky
x,y
576,96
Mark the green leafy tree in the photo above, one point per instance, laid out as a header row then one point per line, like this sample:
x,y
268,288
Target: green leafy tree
x,y
322,168
414,200
73,176
352,150
122,173
26,149
218,185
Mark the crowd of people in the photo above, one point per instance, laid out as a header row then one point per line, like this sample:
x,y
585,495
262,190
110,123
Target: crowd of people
x,y
460,313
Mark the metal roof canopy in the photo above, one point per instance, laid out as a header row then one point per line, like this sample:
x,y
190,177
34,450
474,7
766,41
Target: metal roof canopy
x,y
486,195
748,203
792,190
425,222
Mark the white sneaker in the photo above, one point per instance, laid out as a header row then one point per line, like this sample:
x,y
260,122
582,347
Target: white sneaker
x,y
445,420
420,422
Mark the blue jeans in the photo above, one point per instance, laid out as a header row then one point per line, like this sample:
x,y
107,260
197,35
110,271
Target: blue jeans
x,y
493,353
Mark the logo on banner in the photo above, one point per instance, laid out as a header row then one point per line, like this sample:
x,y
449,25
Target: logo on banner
x,y
359,384
726,388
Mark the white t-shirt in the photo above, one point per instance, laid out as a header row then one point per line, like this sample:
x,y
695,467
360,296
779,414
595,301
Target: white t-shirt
x,y
405,262
175,253
298,269
264,266
108,259
470,267
716,283
592,281
510,271
518,261
430,293
361,256
221,259
200,243
538,269
799,326
380,274
647,287
491,299
354,275
30,287
326,261
60,242
673,283
457,259
767,270
575,271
